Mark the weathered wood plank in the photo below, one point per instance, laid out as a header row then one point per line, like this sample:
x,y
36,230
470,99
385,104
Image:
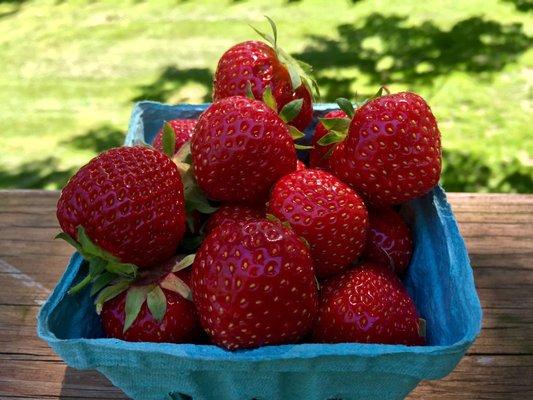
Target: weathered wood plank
x,y
482,377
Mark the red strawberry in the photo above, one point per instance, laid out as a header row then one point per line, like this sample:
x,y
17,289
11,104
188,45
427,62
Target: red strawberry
x,y
325,212
234,213
317,156
183,130
177,323
129,202
239,149
392,153
257,64
389,240
253,285
300,165
368,304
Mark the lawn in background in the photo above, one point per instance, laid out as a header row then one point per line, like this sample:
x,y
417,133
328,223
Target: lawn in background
x,y
70,72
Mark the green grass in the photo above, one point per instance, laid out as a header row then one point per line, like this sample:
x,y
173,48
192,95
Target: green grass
x,y
72,70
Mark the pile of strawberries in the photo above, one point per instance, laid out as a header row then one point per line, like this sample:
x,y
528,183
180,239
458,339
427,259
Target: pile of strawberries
x,y
217,233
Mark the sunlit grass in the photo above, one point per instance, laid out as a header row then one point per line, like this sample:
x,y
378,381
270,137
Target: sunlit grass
x,y
69,68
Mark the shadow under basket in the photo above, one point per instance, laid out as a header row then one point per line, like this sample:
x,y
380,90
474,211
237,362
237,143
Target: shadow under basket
x,y
440,280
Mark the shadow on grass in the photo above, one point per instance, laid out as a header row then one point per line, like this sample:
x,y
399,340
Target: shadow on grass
x,y
37,174
387,49
521,5
16,7
97,139
171,80
48,172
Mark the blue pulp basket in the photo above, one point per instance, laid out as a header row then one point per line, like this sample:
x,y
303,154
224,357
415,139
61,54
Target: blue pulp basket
x,y
440,280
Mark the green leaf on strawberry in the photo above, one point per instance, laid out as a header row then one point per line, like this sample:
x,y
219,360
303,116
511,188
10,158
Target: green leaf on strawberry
x,y
269,100
185,262
346,106
299,72
335,124
331,137
295,132
134,301
175,284
249,92
99,260
291,110
157,303
303,147
169,140
108,293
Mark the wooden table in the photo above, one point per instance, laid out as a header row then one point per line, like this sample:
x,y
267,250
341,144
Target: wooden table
x,y
498,230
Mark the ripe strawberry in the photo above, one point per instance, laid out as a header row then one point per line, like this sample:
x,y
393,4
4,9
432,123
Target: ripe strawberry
x,y
183,130
257,64
129,202
389,240
368,304
300,165
325,212
392,153
239,149
317,155
234,213
170,318
253,285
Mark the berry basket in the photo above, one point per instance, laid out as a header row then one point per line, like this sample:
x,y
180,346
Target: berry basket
x,y
440,280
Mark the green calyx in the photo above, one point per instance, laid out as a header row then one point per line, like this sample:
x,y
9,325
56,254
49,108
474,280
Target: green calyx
x,y
269,100
195,198
291,110
169,140
151,293
299,72
103,267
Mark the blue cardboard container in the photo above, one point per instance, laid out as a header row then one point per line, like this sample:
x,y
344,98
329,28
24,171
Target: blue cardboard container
x,y
440,280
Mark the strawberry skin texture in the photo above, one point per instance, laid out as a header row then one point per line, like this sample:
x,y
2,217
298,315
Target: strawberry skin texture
x,y
257,63
368,304
234,213
253,285
179,325
389,240
240,148
183,131
392,153
300,165
324,211
317,154
130,202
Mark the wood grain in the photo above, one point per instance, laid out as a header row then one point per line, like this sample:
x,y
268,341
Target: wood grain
x,y
498,230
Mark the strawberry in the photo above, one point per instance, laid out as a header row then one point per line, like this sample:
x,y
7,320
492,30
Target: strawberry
x,y
253,285
368,304
239,149
392,153
161,304
233,213
327,213
318,156
183,130
123,210
254,66
300,165
389,240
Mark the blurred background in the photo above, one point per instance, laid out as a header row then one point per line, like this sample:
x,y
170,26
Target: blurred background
x,y
70,72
